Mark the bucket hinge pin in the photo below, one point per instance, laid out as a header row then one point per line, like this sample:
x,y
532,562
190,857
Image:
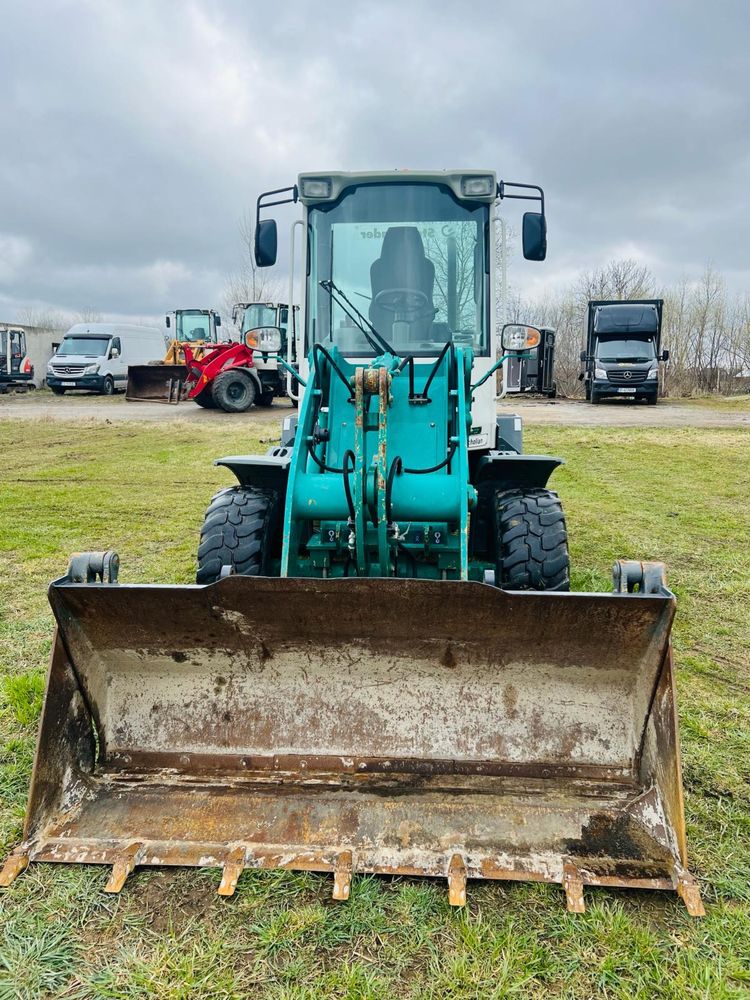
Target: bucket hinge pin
x,y
573,886
14,865
457,881
342,875
689,893
123,866
233,868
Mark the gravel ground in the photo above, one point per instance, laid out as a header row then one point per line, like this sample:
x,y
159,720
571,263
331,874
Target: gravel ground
x,y
615,413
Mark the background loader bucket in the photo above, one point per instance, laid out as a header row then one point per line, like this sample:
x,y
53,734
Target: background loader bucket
x,y
364,725
156,383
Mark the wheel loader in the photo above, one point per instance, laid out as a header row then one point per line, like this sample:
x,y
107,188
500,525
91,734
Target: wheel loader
x,y
166,382
266,330
381,667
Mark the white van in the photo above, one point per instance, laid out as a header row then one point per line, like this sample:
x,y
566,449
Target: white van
x,y
96,356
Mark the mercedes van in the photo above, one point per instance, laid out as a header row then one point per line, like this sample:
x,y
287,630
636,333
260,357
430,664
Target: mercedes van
x,y
95,356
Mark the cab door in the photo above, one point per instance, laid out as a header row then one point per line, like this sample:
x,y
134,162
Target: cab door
x,y
116,362
17,353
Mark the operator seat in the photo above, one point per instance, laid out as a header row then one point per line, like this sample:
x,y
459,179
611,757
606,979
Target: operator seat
x,y
403,264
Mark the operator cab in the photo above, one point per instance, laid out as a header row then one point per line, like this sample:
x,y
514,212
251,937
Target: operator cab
x,y
195,326
408,261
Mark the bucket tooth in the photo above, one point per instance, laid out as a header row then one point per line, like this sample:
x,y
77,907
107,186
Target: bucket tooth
x,y
457,881
233,868
573,885
123,866
342,875
14,865
689,893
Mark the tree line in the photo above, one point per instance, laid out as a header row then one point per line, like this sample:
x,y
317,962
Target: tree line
x,y
705,328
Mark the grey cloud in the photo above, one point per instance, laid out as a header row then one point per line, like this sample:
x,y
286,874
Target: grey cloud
x,y
137,134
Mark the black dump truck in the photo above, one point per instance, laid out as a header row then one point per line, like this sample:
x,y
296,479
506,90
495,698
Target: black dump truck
x,y
535,374
622,350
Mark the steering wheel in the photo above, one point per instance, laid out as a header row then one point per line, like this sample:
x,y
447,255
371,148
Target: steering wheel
x,y
401,300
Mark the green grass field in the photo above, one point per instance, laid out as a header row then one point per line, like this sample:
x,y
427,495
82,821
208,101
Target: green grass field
x,y
679,495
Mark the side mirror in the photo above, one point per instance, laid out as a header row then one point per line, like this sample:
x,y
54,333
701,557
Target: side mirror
x,y
266,242
583,357
114,353
169,321
664,356
534,236
218,320
518,338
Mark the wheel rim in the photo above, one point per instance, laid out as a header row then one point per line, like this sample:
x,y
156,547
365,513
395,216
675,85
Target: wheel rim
x,y
237,391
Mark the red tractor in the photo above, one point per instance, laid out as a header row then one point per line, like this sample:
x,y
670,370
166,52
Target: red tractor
x,y
224,377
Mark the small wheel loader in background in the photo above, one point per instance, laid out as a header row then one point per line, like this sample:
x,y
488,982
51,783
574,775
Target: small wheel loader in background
x,y
381,667
16,369
166,382
265,328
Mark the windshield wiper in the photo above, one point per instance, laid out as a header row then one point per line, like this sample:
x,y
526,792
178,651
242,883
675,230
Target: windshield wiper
x,y
376,340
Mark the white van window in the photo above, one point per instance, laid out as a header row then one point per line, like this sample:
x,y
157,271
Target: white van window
x,y
89,347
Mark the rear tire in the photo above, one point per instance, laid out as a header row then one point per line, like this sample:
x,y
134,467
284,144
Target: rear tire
x,y
238,531
234,391
531,540
266,398
205,399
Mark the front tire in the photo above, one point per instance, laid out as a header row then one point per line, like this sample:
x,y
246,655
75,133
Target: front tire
x,y
531,541
595,398
58,390
238,532
266,398
234,391
205,399
108,386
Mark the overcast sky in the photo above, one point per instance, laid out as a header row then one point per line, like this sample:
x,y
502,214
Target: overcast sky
x,y
135,134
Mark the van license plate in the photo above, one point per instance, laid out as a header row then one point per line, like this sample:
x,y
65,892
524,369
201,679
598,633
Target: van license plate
x,y
71,384
631,391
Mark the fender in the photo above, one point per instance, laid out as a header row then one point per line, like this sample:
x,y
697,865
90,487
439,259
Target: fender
x,y
508,469
268,472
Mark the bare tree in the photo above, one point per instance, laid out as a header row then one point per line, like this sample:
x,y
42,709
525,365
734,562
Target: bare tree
x,y
619,279
249,283
43,319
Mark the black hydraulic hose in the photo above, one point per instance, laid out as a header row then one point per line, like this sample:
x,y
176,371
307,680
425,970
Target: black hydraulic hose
x,y
343,471
434,468
396,467
319,349
319,461
347,486
433,373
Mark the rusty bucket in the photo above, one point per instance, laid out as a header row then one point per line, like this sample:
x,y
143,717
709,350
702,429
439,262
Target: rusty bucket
x,y
413,727
156,383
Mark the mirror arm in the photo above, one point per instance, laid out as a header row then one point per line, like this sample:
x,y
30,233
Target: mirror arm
x,y
501,192
495,367
263,202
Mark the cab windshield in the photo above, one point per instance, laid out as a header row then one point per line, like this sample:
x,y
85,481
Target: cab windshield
x,y
411,258
87,347
257,315
626,350
193,326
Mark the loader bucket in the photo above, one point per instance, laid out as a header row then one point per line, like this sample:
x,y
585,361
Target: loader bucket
x,y
413,727
156,383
